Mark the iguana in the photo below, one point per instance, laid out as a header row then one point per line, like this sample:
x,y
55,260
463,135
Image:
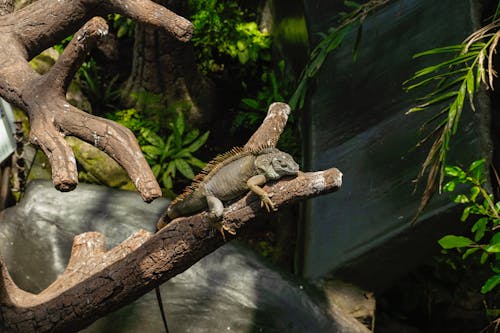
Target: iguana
x,y
225,178
229,176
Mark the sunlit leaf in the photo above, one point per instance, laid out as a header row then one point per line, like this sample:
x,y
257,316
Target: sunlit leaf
x,y
451,242
491,283
151,151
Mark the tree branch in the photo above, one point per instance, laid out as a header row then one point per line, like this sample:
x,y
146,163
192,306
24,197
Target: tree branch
x,y
25,33
133,268
96,282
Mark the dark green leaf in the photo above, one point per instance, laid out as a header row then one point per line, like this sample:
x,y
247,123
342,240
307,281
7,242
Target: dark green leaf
x,y
470,251
184,168
156,170
152,137
252,103
198,142
196,162
167,181
191,136
484,257
479,228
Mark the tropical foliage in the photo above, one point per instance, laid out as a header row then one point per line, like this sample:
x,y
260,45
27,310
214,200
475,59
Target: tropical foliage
x,y
452,82
481,210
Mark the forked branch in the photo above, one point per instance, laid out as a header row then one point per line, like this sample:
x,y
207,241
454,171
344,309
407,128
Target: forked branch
x,y
25,33
97,282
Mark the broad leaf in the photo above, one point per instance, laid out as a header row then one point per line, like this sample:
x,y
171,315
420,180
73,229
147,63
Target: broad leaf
x,y
451,242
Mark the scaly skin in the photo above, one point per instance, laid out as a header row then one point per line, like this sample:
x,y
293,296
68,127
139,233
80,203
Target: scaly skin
x,y
229,176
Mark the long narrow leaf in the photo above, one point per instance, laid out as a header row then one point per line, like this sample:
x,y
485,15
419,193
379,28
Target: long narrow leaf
x,y
198,142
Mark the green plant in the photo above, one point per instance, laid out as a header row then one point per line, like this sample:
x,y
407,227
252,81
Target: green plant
x,y
459,76
223,29
123,26
173,156
102,93
485,214
273,88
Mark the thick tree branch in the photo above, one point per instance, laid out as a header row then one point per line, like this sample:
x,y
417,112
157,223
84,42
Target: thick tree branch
x,y
96,282
27,32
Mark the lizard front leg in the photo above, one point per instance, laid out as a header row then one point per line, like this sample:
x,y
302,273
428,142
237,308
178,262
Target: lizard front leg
x,y
214,214
254,184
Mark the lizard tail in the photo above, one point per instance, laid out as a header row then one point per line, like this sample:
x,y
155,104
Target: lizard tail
x,y
162,222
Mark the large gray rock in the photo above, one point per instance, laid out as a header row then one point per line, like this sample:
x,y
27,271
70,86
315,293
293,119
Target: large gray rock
x,y
232,289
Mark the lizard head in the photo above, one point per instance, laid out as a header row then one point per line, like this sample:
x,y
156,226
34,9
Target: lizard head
x,y
277,164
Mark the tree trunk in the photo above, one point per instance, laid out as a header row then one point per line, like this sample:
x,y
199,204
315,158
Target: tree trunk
x,y
165,66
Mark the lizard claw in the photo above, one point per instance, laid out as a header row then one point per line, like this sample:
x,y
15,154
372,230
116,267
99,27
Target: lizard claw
x,y
265,201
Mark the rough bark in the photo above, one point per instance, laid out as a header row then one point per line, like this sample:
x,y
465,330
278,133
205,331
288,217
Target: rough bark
x,y
6,7
165,66
97,282
25,33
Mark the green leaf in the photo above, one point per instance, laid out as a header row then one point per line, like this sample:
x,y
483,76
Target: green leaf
x,y
471,89
495,239
166,179
461,199
151,151
438,99
454,171
491,283
475,165
450,186
465,213
184,168
474,192
198,142
152,137
196,162
252,103
446,49
191,136
156,170
495,248
451,242
171,169
479,228
470,251
484,257
179,123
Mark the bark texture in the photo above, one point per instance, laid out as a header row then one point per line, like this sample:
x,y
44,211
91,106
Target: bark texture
x,y
163,65
25,33
97,282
